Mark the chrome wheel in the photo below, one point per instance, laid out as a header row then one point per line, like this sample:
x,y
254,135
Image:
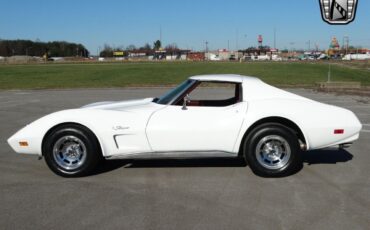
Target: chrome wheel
x,y
69,152
273,152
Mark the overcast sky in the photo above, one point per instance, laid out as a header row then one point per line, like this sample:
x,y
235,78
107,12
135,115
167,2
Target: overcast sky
x,y
187,23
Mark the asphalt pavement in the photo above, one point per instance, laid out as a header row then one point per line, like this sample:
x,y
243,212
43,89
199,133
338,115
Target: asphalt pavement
x,y
332,191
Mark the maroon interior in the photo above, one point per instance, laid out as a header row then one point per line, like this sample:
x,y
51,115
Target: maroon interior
x,y
214,103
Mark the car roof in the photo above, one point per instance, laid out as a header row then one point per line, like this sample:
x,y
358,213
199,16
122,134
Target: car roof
x,y
225,78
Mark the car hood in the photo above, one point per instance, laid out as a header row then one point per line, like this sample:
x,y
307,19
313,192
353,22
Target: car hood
x,y
118,105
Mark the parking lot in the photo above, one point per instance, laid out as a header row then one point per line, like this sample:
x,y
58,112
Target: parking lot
x,y
332,191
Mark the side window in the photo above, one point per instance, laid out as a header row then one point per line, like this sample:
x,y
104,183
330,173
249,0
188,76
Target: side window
x,y
214,94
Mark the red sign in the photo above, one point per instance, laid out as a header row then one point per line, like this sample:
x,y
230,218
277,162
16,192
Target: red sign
x,y
260,39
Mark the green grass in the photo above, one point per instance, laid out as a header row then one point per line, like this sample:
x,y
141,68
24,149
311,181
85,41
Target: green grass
x,y
98,75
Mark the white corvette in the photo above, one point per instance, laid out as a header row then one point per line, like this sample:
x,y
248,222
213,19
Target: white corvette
x,y
267,126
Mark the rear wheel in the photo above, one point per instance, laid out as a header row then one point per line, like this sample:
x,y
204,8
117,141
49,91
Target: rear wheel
x,y
71,151
272,150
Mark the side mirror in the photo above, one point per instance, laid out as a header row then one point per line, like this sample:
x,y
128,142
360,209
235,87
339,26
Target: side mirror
x,y
186,100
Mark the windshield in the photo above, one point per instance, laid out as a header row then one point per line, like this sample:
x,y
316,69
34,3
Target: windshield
x,y
172,94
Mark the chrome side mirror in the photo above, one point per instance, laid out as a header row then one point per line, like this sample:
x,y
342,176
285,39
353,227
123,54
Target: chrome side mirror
x,y
186,100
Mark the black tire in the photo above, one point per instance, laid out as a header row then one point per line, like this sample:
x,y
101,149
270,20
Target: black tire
x,y
273,139
67,136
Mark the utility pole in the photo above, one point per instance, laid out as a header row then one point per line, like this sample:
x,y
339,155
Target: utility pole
x,y
206,46
346,43
237,39
343,43
292,46
160,34
274,37
246,41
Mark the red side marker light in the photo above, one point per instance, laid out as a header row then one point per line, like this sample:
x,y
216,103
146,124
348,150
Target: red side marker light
x,y
338,131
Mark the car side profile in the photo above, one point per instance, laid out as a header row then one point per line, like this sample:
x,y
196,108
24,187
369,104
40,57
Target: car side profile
x,y
265,125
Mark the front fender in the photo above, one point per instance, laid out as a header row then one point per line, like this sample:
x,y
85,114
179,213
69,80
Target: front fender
x,y
34,132
102,123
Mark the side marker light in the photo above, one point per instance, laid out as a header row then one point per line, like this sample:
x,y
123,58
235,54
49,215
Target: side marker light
x,y
23,143
338,131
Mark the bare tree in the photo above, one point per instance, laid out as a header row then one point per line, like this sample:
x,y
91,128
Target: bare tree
x,y
131,47
172,46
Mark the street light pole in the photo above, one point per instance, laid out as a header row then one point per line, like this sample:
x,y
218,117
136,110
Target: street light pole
x,y
237,39
246,41
292,47
274,37
346,39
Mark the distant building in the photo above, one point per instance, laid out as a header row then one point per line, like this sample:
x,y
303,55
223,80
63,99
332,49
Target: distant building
x,y
161,54
137,54
196,56
223,55
176,54
259,51
263,53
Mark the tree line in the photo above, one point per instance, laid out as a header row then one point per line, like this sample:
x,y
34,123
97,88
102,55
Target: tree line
x,y
38,48
108,51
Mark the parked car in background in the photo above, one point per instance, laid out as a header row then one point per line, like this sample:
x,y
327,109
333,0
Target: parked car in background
x,y
232,57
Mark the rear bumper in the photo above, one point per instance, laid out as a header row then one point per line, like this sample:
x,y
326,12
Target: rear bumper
x,y
346,143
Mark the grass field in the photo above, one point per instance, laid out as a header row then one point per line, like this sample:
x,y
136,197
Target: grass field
x,y
98,75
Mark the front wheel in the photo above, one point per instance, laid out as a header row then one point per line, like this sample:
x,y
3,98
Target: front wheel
x,y
272,150
71,151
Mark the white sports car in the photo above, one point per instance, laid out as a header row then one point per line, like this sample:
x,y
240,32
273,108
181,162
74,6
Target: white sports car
x,y
267,126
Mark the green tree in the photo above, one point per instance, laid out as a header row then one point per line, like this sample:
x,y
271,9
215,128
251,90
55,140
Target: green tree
x,y
157,45
107,51
38,48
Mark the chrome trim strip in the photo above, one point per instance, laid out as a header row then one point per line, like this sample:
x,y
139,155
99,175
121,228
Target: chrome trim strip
x,y
174,154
